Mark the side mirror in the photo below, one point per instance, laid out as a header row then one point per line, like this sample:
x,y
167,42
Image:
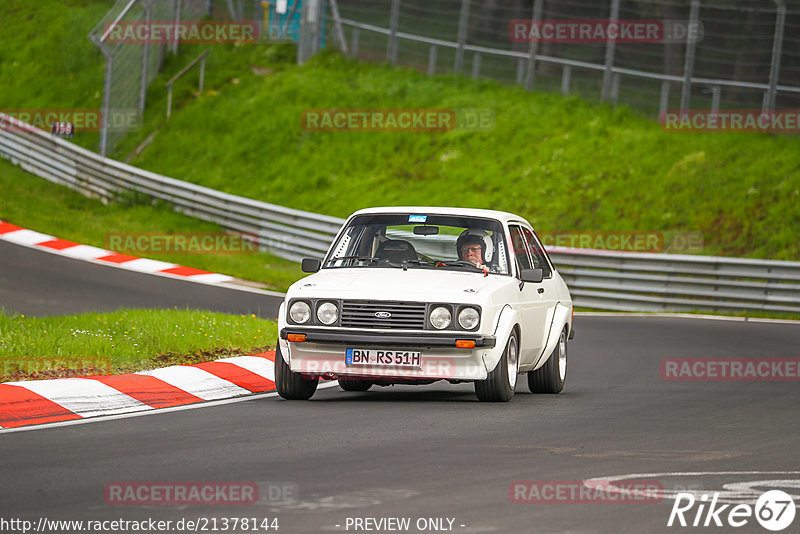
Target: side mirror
x,y
312,265
531,275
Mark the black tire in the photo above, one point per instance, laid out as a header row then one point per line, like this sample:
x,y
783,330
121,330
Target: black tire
x,y
291,385
499,386
353,384
550,377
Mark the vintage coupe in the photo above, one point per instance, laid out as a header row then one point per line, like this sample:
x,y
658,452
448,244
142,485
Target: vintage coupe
x,y
412,295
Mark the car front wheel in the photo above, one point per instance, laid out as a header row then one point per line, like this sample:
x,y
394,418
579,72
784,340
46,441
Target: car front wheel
x,y
291,385
550,377
499,386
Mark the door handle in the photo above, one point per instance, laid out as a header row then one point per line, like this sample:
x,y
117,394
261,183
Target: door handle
x,y
540,290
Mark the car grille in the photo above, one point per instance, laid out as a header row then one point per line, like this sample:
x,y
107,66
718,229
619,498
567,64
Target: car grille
x,y
362,314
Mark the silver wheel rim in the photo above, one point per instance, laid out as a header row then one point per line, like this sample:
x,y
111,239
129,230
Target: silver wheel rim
x,y
562,356
512,361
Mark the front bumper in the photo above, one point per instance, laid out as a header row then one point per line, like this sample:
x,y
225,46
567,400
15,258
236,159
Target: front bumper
x,y
406,339
323,354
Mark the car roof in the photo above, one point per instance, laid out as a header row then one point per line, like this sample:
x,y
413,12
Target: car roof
x,y
502,216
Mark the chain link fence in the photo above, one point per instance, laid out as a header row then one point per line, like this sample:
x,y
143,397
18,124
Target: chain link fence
x,y
745,56
131,66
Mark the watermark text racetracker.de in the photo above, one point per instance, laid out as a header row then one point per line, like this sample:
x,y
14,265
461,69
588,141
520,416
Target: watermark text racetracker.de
x,y
580,492
597,31
398,120
45,365
731,120
81,119
143,493
625,241
731,369
182,242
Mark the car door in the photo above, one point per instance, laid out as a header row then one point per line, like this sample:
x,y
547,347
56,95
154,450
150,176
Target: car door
x,y
547,291
533,300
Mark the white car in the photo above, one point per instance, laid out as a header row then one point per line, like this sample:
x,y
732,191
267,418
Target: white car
x,y
412,295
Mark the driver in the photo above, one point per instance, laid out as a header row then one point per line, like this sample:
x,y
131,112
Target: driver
x,y
472,248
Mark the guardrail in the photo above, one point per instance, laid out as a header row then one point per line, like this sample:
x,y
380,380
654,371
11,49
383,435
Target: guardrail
x,y
286,232
598,279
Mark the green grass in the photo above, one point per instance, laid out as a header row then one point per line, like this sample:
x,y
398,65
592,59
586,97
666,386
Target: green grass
x,y
35,203
124,341
46,59
562,162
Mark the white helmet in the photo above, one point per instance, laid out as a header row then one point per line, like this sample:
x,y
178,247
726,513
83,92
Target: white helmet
x,y
476,235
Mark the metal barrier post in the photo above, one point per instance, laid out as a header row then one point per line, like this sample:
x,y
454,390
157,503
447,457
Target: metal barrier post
x,y
394,20
777,47
611,45
532,49
688,67
463,22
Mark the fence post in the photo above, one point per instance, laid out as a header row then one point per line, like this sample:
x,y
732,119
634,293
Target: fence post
x,y
566,76
309,22
476,65
289,18
145,59
611,46
615,88
432,53
777,47
463,22
664,103
106,100
337,20
534,46
688,67
716,94
177,22
316,44
354,41
394,20
520,71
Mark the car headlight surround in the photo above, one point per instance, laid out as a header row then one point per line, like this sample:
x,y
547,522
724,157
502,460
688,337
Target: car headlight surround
x,y
468,318
300,312
327,313
440,317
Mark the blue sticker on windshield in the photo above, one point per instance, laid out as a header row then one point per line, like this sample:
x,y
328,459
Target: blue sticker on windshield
x,y
417,218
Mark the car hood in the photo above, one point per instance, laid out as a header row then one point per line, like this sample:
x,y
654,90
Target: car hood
x,y
395,284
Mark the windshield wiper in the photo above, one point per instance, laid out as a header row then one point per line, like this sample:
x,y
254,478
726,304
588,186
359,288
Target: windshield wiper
x,y
444,263
364,258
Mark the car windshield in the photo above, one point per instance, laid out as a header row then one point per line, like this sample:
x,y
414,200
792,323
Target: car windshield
x,y
420,241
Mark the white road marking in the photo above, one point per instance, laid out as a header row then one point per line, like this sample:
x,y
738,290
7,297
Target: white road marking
x,y
85,397
199,383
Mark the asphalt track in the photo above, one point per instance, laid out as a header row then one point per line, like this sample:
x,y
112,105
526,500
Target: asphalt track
x,y
39,283
424,452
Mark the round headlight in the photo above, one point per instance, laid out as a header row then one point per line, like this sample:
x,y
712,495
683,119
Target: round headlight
x,y
300,312
440,317
468,318
328,313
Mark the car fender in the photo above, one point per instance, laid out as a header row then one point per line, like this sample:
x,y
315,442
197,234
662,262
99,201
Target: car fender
x,y
281,325
561,317
508,318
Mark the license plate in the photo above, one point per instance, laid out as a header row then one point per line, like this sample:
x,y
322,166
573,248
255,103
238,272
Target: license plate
x,y
382,357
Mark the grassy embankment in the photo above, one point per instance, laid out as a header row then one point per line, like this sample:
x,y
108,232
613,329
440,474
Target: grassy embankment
x,y
123,341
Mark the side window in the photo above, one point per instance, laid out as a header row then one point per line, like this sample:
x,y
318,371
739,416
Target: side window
x,y
519,249
539,257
